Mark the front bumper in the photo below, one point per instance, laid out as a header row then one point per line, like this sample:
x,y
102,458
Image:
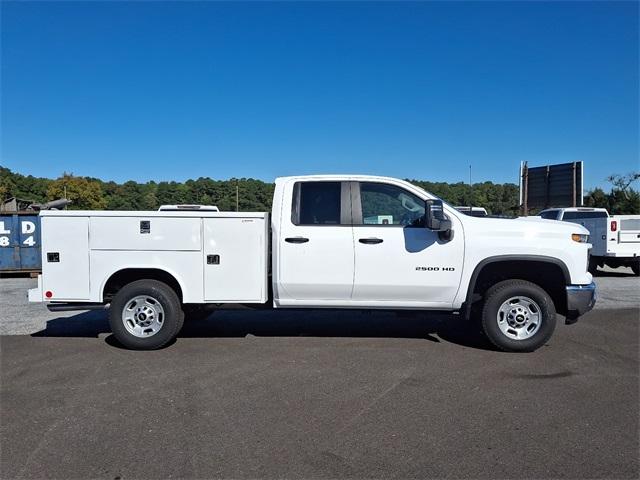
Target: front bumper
x,y
580,299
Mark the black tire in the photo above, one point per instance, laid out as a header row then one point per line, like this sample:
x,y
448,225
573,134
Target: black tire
x,y
593,266
636,269
170,317
498,295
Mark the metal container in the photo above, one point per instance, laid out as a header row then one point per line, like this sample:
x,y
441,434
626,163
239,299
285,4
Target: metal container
x,y
20,243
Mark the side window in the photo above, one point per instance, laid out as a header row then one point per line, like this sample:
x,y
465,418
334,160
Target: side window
x,y
550,215
384,204
316,203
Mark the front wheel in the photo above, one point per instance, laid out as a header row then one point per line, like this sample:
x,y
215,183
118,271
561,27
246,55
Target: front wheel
x,y
145,315
518,316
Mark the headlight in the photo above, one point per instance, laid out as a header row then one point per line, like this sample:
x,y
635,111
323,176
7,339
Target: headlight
x,y
580,237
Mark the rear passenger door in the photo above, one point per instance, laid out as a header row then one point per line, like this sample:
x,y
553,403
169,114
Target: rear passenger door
x,y
315,251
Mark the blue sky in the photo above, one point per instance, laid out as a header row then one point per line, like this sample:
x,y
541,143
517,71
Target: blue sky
x,y
162,91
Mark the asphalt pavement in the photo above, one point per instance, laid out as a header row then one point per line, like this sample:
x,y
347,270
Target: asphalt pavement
x,y
321,394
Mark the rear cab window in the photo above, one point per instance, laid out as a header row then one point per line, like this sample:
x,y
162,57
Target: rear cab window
x,y
319,203
583,215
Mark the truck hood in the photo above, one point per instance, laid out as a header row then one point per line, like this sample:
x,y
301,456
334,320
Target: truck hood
x,y
529,223
574,227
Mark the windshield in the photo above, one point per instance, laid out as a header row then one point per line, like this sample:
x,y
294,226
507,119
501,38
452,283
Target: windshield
x,y
431,195
549,214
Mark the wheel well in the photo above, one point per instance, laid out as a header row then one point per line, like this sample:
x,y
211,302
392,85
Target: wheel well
x,y
549,276
128,275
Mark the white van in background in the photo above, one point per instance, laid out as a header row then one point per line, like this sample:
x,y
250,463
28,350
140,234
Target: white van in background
x,y
615,239
473,211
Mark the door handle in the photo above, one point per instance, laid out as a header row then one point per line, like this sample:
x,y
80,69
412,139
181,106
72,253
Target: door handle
x,y
296,240
370,241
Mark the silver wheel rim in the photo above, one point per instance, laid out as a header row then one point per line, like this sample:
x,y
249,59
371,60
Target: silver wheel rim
x,y
519,318
143,316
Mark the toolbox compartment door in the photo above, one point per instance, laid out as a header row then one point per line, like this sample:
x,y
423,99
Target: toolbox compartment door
x,y
235,260
145,233
630,236
65,258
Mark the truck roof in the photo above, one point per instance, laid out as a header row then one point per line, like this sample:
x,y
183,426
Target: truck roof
x,y
577,209
188,207
337,177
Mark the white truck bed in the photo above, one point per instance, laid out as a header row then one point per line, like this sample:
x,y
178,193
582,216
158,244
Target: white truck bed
x,y
628,238
616,236
227,251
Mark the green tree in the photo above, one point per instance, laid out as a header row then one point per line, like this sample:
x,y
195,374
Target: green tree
x,y
597,198
623,182
623,199
84,194
500,199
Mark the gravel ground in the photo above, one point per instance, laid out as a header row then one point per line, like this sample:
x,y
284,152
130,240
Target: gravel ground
x,y
17,315
616,289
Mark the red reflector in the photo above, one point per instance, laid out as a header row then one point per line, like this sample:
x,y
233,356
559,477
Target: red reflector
x,y
48,294
614,225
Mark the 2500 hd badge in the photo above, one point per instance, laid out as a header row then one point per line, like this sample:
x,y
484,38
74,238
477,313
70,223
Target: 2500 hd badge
x,y
436,269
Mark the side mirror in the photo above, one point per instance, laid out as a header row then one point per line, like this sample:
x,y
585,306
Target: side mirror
x,y
436,219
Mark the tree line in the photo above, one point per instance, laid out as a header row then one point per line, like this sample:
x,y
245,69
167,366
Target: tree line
x,y
255,195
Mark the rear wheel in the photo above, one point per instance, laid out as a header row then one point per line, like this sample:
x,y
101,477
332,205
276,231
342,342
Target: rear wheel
x,y
518,316
145,315
636,269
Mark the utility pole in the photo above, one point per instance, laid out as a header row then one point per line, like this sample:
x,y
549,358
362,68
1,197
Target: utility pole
x,y
525,189
237,198
573,185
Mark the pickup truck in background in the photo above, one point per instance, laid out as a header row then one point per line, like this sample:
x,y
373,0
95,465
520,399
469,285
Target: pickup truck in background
x,y
615,239
473,211
331,241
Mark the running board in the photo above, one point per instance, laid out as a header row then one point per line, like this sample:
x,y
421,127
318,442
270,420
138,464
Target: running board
x,y
69,307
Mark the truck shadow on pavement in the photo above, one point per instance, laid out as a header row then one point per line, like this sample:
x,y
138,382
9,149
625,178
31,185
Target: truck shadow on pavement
x,y
433,327
619,272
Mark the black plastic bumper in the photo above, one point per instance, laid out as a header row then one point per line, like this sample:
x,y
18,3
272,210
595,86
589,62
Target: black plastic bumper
x,y
580,299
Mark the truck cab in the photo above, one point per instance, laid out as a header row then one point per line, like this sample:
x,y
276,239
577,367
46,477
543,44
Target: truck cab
x,y
361,242
334,241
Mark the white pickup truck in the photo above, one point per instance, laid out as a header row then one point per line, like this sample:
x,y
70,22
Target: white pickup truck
x,y
615,239
330,242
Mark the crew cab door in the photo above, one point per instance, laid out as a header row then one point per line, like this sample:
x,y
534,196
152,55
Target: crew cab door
x,y
397,259
315,243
